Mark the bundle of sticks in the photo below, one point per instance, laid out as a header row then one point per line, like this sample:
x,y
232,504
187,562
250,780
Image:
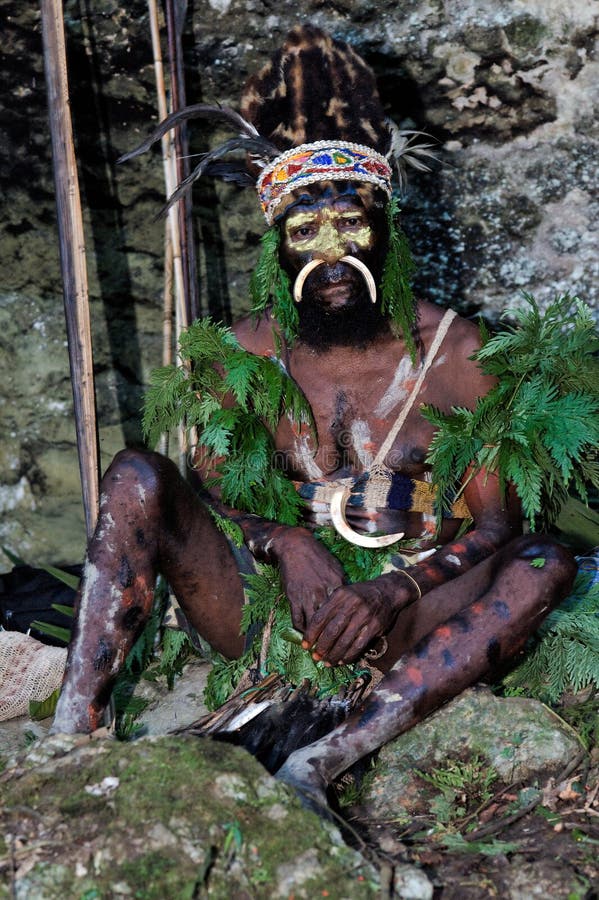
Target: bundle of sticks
x,y
270,718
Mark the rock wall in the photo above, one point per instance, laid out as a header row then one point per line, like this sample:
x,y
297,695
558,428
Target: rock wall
x,y
509,90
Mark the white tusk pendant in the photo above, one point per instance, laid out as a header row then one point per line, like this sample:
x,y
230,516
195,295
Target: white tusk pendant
x,y
338,502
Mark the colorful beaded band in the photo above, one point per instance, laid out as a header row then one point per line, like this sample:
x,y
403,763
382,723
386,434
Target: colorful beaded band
x,y
320,161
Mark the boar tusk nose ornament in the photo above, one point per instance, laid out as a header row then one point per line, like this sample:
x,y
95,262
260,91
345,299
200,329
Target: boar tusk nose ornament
x,y
338,504
298,286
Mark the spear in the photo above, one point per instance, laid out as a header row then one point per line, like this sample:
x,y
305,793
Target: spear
x,y
175,18
72,256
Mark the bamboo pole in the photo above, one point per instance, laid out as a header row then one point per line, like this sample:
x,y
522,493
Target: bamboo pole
x,y
167,319
170,178
72,256
175,11
170,172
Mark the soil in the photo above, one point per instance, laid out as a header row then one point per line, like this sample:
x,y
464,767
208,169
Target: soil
x,y
520,843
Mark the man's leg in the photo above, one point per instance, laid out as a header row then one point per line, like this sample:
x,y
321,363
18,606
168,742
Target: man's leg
x,y
150,521
473,642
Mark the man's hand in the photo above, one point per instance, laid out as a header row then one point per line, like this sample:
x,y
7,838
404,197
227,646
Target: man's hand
x,y
351,619
309,573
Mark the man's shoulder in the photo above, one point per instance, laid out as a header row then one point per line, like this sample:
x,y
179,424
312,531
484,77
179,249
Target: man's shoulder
x,y
256,334
463,337
467,382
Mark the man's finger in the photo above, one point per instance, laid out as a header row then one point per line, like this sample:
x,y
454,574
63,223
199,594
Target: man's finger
x,y
350,643
327,611
344,635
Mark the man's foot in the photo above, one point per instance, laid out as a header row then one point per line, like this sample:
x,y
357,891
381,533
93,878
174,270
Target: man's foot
x,y
307,783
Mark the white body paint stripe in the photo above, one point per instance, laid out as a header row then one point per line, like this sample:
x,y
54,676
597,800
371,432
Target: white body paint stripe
x,y
360,435
395,393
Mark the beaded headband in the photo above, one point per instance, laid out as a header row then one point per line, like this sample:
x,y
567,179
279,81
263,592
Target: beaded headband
x,y
320,161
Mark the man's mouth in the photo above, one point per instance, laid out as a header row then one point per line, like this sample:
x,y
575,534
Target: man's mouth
x,y
335,285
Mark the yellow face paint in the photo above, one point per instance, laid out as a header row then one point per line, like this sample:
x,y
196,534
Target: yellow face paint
x,y
327,233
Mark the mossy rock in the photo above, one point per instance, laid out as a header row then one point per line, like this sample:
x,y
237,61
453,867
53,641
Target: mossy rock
x,y
520,740
166,817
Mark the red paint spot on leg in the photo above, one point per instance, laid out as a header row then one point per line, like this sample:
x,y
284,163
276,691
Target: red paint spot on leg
x,y
415,675
94,719
443,631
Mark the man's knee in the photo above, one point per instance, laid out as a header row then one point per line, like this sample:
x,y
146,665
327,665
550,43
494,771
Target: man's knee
x,y
138,475
138,466
547,559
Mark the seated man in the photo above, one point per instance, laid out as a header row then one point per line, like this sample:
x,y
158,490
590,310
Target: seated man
x,y
366,360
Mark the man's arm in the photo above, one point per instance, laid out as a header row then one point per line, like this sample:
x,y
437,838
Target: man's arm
x,y
310,574
355,615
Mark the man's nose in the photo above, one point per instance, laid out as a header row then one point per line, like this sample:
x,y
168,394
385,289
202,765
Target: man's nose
x,y
330,245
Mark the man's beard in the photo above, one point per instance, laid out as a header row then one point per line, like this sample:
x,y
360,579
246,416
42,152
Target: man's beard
x,y
356,323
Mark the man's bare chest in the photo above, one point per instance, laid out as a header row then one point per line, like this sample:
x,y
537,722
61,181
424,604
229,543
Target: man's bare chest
x,y
354,408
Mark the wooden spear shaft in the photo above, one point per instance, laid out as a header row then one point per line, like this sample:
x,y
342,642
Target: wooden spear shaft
x,y
175,11
170,178
72,256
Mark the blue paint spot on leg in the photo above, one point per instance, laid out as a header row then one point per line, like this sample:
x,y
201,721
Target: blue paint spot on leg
x,y
448,660
421,649
103,656
463,623
372,708
502,610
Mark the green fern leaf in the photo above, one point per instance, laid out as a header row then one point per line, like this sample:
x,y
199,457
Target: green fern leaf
x,y
539,426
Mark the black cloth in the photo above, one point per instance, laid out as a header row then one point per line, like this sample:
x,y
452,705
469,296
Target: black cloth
x,y
27,595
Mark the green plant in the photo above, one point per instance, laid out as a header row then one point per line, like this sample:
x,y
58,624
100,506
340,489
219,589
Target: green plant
x,y
270,284
457,843
284,654
538,428
397,300
233,841
235,399
583,717
359,563
463,785
351,788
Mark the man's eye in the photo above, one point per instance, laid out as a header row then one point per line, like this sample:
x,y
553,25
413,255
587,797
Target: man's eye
x,y
352,222
304,231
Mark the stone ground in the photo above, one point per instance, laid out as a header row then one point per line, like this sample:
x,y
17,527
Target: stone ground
x,y
491,798
487,798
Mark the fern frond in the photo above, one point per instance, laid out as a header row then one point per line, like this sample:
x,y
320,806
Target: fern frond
x,y
566,655
539,426
236,400
264,275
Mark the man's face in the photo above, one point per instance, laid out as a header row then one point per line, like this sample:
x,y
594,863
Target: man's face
x,y
327,222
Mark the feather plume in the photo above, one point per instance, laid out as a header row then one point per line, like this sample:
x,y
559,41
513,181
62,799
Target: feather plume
x,y
248,140
233,171
405,151
221,114
202,111
251,145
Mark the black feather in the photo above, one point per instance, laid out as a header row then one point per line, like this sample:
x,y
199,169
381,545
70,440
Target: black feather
x,y
203,111
250,145
234,172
